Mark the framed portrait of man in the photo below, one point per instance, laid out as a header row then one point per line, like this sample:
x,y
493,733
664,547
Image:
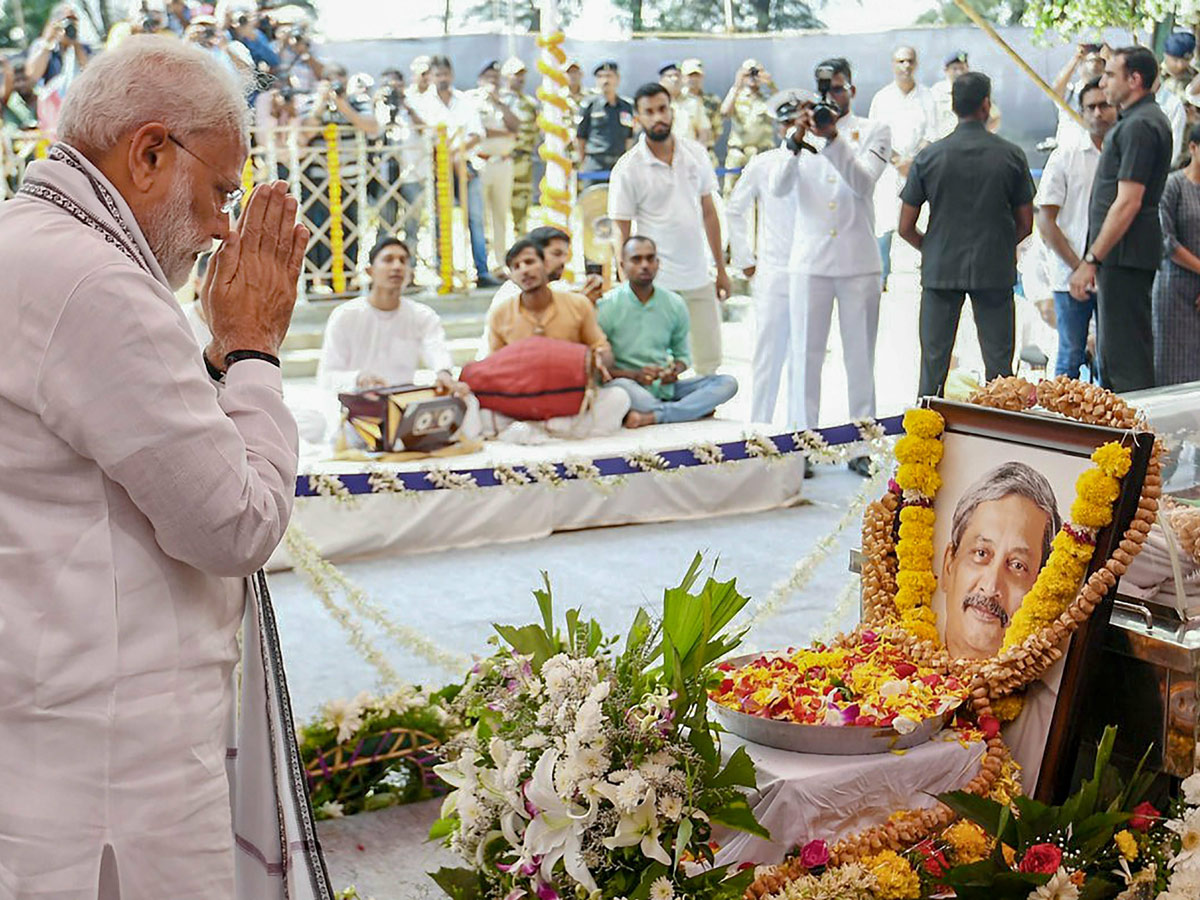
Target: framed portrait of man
x,y
1008,482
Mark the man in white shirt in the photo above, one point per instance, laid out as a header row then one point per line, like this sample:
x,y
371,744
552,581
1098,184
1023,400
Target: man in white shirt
x,y
831,179
907,109
442,104
664,185
760,238
1062,221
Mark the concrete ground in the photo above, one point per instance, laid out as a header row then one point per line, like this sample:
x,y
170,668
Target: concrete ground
x,y
454,597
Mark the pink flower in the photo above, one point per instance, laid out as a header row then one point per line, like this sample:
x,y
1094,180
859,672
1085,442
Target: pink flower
x,y
1144,815
814,855
1042,859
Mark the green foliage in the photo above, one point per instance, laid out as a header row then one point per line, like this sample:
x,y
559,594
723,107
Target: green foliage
x,y
1083,827
36,14
376,785
1070,17
667,15
998,12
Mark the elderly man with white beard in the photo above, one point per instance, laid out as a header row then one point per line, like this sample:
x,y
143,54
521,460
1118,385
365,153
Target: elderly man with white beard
x,y
138,494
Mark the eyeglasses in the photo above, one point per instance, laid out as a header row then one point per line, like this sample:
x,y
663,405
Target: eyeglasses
x,y
233,196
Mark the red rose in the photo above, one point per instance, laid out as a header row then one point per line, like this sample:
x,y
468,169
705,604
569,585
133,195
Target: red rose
x,y
1041,859
1144,815
990,726
815,854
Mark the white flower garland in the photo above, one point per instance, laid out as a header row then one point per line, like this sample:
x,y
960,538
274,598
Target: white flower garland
x,y
847,598
804,570
647,461
510,476
448,479
322,485
320,574
708,454
384,481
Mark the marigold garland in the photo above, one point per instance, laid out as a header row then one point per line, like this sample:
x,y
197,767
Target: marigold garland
x,y
918,453
337,237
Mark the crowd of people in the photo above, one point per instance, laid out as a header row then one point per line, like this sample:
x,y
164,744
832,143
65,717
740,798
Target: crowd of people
x,y
813,203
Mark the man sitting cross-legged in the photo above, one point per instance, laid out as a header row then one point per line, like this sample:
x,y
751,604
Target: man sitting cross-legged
x,y
648,329
563,316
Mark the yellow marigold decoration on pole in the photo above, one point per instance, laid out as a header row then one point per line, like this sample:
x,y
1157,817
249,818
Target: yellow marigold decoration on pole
x,y
444,199
918,453
555,186
337,237
41,148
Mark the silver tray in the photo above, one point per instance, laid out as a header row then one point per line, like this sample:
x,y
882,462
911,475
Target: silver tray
x,y
833,740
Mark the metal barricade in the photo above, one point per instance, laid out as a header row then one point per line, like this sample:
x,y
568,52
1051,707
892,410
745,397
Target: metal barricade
x,y
378,188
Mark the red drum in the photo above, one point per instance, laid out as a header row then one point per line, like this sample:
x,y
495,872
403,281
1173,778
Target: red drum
x,y
535,378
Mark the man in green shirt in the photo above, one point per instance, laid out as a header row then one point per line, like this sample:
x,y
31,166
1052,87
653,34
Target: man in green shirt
x,y
648,327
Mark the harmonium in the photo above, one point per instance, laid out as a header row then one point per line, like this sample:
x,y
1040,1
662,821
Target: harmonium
x,y
403,417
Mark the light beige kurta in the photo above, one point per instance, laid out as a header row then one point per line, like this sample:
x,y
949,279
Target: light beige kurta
x,y
134,496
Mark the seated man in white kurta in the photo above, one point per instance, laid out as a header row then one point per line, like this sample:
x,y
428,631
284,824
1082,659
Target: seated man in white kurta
x,y
138,491
380,340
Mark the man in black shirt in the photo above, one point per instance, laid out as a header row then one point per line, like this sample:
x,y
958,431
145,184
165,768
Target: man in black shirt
x,y
1124,234
980,199
605,129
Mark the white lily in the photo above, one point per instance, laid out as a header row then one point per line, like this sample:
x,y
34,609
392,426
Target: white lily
x,y
640,828
503,784
556,832
462,774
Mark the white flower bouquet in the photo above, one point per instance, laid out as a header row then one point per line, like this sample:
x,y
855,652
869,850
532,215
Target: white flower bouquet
x,y
592,770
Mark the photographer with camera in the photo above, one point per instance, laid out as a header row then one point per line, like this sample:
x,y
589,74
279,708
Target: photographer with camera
x,y
50,54
406,159
753,123
837,159
248,33
297,65
333,104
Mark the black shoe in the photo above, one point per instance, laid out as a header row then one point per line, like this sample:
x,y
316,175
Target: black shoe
x,y
860,465
487,281
809,471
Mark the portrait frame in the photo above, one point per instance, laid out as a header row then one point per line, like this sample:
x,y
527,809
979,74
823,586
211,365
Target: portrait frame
x,y
1041,432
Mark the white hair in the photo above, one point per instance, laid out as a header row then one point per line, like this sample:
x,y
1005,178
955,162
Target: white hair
x,y
152,78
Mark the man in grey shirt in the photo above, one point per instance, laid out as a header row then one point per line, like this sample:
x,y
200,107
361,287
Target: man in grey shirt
x,y
980,198
1124,233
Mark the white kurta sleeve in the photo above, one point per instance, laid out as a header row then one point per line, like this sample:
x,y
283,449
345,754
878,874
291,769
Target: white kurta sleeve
x,y
121,383
861,170
336,370
739,215
434,352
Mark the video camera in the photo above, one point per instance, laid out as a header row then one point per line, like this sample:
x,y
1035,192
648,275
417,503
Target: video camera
x,y
825,112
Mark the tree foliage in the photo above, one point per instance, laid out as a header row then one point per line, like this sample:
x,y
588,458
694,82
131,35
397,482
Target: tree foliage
x,y
667,15
1070,17
998,12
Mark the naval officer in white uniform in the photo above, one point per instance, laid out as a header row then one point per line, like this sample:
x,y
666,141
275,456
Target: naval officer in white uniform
x,y
831,179
760,238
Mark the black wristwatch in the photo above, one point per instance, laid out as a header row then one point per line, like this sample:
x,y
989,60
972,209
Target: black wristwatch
x,y
238,355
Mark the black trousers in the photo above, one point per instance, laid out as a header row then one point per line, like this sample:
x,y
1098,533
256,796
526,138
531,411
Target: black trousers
x,y
1124,329
995,321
